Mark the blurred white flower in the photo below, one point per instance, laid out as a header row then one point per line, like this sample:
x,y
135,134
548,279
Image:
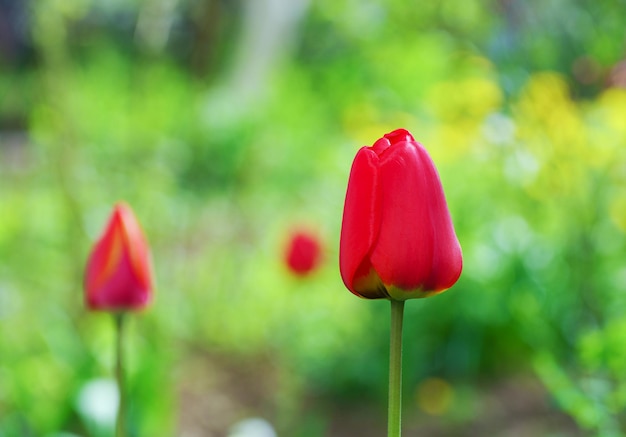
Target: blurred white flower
x,y
499,129
253,427
98,401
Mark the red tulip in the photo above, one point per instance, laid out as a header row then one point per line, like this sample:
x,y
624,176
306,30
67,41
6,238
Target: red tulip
x,y
119,274
303,253
397,238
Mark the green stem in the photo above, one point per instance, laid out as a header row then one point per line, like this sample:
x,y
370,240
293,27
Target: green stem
x,y
120,426
394,424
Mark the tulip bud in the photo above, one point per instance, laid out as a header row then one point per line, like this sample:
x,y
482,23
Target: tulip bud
x,y
303,253
397,238
119,275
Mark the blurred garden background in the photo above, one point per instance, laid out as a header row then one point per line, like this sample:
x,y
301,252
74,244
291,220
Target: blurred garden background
x,y
229,124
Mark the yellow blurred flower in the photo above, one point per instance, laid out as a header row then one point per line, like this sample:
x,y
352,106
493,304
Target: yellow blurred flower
x,y
613,105
470,98
618,212
434,396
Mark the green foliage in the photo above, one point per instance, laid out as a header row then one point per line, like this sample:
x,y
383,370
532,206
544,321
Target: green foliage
x,y
534,177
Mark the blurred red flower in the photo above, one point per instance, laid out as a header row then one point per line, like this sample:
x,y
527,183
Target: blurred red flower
x,y
397,239
119,275
303,253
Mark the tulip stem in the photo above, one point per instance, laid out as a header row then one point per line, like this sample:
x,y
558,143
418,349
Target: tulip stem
x,y
394,427
120,426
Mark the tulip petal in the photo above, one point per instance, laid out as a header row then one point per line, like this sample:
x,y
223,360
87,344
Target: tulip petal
x,y
118,274
417,250
105,257
136,246
398,136
360,226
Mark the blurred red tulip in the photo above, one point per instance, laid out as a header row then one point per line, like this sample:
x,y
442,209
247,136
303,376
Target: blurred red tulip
x,y
397,237
119,275
303,253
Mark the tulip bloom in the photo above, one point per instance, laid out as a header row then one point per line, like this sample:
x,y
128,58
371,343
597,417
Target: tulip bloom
x,y
303,253
119,275
397,237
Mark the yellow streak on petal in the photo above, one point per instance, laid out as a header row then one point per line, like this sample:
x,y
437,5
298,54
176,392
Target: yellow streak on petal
x,y
135,246
112,258
370,286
